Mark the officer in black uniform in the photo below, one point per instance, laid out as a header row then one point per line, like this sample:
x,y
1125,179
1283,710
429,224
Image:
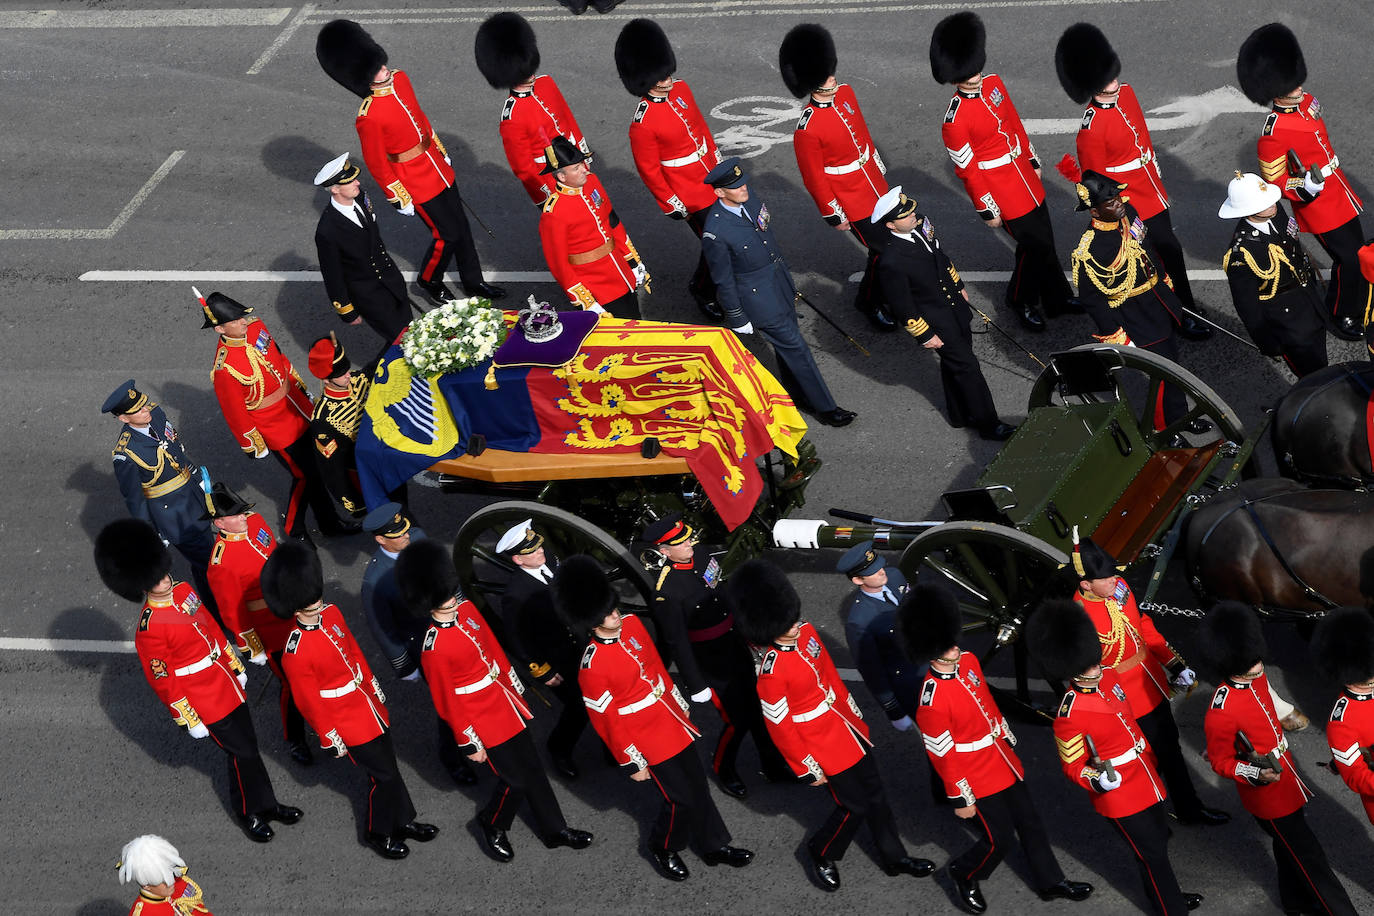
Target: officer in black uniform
x,y
928,299
713,662
1273,285
334,424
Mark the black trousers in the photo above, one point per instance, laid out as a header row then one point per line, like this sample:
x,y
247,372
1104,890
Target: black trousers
x,y
388,801
1162,732
736,697
387,316
872,237
444,216
250,788
1001,817
627,306
292,722
1160,234
858,794
701,286
1038,276
521,777
306,487
688,812
968,400
1306,881
1147,835
1348,292
572,721
1172,402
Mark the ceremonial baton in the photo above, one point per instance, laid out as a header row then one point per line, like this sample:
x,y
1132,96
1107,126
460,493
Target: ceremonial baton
x,y
987,319
478,218
830,321
1207,321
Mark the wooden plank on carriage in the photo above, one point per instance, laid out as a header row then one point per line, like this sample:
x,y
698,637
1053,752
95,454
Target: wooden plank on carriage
x,y
497,466
1157,489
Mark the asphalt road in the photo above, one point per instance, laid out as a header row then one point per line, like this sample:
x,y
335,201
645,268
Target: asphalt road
x,y
166,136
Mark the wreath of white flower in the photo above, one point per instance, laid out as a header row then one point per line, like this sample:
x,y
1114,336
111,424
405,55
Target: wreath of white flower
x,y
453,337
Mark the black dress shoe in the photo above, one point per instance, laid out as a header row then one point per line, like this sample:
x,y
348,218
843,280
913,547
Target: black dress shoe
x,y
1205,817
1067,890
435,292
1190,328
256,828
300,752
732,784
1199,425
1031,319
462,774
880,318
1192,901
999,433
570,837
670,864
485,290
418,831
837,417
284,814
966,892
497,843
709,307
563,764
825,871
386,847
1349,329
907,865
732,856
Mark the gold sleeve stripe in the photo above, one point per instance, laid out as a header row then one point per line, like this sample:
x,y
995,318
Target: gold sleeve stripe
x,y
917,326
1273,168
1071,749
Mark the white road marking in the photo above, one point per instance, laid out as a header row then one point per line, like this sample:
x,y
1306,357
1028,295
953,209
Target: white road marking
x,y
750,118
140,19
119,221
282,38
1185,111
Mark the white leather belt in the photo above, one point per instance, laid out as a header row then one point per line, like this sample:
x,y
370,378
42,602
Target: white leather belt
x,y
985,741
649,699
820,710
1004,159
1127,757
197,667
1331,166
686,160
850,166
475,686
343,691
1133,164
1282,746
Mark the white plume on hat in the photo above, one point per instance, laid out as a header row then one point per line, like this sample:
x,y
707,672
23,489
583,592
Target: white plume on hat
x,y
149,859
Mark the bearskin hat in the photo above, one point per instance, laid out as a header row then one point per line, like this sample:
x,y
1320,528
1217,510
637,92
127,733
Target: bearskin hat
x,y
349,55
425,576
131,558
582,594
930,622
292,578
1232,639
958,48
1270,64
643,56
765,603
1343,646
1061,637
506,50
806,58
1085,61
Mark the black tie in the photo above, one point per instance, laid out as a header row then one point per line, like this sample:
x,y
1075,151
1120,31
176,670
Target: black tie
x,y
889,597
362,217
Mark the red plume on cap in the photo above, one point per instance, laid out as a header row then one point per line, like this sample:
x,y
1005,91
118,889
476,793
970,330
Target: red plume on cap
x,y
1070,169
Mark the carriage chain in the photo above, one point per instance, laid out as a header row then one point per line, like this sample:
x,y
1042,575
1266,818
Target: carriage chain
x,y
1169,610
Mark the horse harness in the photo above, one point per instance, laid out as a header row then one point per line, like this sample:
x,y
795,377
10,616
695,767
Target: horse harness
x,y
1347,375
1249,506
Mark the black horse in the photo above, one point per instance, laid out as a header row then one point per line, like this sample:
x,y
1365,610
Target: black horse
x,y
1283,548
1320,429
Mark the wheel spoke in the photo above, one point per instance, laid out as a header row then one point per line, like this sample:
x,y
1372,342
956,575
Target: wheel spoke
x,y
979,571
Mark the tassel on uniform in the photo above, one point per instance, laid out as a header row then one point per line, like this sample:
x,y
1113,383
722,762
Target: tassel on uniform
x,y
1077,554
490,380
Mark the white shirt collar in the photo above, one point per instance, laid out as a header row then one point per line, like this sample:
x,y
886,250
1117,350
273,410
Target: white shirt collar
x,y
537,573
1262,227
347,211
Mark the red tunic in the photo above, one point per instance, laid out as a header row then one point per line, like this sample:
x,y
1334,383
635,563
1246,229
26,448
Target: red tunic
x,y
1114,140
529,122
839,164
234,573
471,681
992,152
1249,708
634,705
1102,714
1350,731
1131,646
391,126
810,714
1303,130
967,737
186,659
332,683
579,223
186,900
263,400
673,150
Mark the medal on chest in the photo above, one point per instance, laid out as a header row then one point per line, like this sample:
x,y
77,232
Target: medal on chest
x,y
596,198
169,433
973,678
338,630
634,644
1118,693
1292,227
472,624
995,97
1137,229
1121,591
261,343
680,102
848,108
813,647
264,538
190,605
1314,108
711,576
928,229
764,217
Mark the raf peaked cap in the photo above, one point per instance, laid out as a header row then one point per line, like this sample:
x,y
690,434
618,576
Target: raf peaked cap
x,y
426,577
892,206
387,520
222,502
958,48
339,170
126,399
729,174
130,557
669,531
764,602
218,308
806,59
1085,61
506,50
1270,64
327,358
930,622
1232,638
349,55
1343,645
643,56
860,560
1061,637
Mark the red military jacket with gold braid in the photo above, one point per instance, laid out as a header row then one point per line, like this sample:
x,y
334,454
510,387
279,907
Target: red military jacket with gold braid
x,y
1131,646
1114,140
673,150
529,122
632,701
391,127
186,900
1103,714
186,659
332,683
1302,129
234,574
810,713
991,151
839,164
1350,734
262,398
471,681
586,246
966,736
1241,707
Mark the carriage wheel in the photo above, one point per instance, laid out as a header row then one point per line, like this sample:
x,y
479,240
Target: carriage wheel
x,y
484,573
998,574
1122,363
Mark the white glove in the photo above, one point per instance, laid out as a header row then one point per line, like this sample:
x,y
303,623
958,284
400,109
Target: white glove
x,y
746,328
166,543
243,679
407,210
903,724
641,274
262,454
1106,784
1185,678
199,731
259,659
703,697
596,307
412,676
1312,187
447,160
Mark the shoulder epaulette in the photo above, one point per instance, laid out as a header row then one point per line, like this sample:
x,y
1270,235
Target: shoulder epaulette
x,y
1219,698
805,117
953,110
1087,121
587,656
1269,123
218,553
1066,704
639,112
431,636
928,692
662,577
550,203
1338,710
362,109
508,108
292,642
769,661
119,445
143,621
220,356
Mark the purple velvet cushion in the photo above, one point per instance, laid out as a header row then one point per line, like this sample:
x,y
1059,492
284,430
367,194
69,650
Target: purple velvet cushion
x,y
517,351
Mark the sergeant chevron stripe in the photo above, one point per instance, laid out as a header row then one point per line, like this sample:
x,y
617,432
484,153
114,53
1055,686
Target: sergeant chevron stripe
x,y
775,712
941,744
1071,749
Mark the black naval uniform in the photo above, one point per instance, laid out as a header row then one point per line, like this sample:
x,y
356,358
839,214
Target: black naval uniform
x,y
1276,293
923,289
334,431
361,279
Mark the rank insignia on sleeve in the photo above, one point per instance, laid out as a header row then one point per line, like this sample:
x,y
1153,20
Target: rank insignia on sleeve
x,y
325,445
813,647
996,97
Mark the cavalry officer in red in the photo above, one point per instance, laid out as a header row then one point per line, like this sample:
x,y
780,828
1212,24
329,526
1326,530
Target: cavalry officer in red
x,y
637,710
1115,141
585,245
672,147
340,697
1343,648
971,746
816,724
993,157
267,408
839,163
243,542
1296,154
334,423
1246,744
480,696
1148,668
1103,750
190,667
160,873
534,112
405,156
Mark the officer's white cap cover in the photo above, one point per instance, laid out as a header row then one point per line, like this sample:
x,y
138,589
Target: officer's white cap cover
x,y
1248,194
330,169
885,204
513,536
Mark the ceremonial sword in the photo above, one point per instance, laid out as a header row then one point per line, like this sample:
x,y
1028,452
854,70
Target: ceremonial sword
x,y
830,321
